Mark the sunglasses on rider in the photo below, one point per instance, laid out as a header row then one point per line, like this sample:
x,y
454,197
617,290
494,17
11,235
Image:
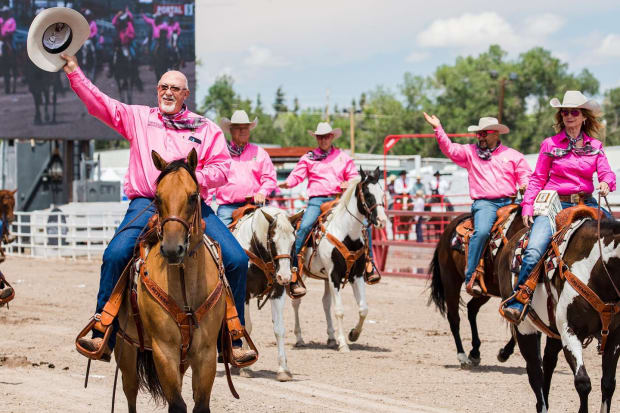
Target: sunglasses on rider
x,y
573,112
485,133
174,89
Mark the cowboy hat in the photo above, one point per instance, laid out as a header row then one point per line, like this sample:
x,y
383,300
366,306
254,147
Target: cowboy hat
x,y
576,99
5,8
54,31
489,124
238,118
437,173
324,128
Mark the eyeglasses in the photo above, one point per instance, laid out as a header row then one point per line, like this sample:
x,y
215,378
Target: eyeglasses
x,y
174,89
573,112
319,137
484,133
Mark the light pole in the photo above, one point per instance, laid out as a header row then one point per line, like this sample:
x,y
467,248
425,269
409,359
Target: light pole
x,y
502,90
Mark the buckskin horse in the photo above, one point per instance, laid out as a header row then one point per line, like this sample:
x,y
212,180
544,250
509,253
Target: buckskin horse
x,y
361,201
581,298
7,207
448,273
179,296
267,236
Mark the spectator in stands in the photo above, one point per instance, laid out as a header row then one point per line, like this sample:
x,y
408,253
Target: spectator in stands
x,y
418,185
402,188
418,206
439,186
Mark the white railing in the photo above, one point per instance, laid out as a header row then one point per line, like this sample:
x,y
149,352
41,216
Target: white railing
x,y
45,234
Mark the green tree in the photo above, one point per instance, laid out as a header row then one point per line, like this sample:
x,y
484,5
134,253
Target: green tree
x,y
279,104
221,98
611,107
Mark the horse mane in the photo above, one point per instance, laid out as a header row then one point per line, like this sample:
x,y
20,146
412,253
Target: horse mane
x,y
346,196
175,166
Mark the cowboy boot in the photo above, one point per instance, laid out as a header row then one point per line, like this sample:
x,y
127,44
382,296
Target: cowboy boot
x,y
296,287
5,292
94,345
370,275
241,355
473,286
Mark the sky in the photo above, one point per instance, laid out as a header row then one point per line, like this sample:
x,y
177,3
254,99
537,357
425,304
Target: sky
x,y
346,47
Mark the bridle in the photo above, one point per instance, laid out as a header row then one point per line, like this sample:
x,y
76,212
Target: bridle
x,y
268,266
367,211
189,227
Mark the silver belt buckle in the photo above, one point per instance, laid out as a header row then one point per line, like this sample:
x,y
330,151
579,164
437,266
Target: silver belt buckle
x,y
574,198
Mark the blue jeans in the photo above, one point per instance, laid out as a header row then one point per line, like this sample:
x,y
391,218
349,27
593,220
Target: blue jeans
x,y
313,210
484,212
224,212
540,237
120,250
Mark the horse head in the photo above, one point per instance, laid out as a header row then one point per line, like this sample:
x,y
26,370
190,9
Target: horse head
x,y
370,198
277,237
7,205
178,205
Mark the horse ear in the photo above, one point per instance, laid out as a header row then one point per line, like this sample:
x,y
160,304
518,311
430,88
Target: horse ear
x,y
268,217
192,160
362,173
296,217
159,162
376,172
14,192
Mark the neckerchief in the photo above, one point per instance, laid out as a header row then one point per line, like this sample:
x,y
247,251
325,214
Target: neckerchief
x,y
182,120
318,154
585,150
485,154
235,150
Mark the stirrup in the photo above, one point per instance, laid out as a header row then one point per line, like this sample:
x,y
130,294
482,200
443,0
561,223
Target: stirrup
x,y
93,355
478,276
367,274
227,353
297,279
526,306
6,284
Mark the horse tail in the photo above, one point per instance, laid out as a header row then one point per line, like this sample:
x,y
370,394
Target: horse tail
x,y
147,377
438,295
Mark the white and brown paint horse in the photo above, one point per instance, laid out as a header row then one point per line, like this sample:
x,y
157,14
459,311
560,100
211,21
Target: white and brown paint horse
x,y
268,237
363,200
575,319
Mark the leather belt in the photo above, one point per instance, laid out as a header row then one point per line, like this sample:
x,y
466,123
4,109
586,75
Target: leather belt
x,y
575,198
326,196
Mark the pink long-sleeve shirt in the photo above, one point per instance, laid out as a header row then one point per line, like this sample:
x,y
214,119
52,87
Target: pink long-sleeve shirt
x,y
324,177
250,173
8,27
569,174
127,34
143,127
157,28
496,177
93,29
174,28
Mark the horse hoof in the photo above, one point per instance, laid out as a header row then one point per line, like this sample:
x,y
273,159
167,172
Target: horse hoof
x,y
332,343
344,349
354,335
502,357
475,361
464,360
245,372
300,343
284,375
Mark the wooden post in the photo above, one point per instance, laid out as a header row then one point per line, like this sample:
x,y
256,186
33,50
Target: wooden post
x,y
502,87
352,122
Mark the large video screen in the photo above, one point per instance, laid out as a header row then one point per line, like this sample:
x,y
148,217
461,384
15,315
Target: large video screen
x,y
132,42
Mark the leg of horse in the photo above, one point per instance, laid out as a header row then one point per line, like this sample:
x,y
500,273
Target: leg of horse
x,y
573,351
327,308
46,97
277,316
359,290
343,347
550,359
473,306
204,367
529,344
608,381
299,340
452,304
167,359
247,371
504,353
127,363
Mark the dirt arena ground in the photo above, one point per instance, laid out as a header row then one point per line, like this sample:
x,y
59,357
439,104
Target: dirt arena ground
x,y
404,361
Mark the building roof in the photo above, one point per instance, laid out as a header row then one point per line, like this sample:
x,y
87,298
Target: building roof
x,y
290,152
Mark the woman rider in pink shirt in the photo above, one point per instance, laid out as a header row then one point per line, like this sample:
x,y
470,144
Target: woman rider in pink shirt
x,y
494,172
566,164
251,172
328,170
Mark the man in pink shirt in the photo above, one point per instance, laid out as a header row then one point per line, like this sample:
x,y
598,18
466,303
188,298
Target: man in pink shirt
x,y
159,28
8,26
123,22
251,175
328,170
173,131
494,173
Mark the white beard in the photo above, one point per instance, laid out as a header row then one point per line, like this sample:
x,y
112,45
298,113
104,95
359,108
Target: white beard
x,y
167,107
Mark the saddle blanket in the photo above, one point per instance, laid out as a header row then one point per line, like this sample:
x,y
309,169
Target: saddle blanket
x,y
551,260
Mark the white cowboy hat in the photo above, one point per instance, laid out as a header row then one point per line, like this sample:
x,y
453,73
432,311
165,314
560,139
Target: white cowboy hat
x,y
489,124
54,31
324,128
576,99
238,118
5,8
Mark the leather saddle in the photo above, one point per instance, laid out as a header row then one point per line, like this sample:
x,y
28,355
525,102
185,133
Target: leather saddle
x,y
240,213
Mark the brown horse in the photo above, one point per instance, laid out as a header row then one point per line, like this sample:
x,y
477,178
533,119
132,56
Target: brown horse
x,y
448,273
595,266
7,206
180,264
